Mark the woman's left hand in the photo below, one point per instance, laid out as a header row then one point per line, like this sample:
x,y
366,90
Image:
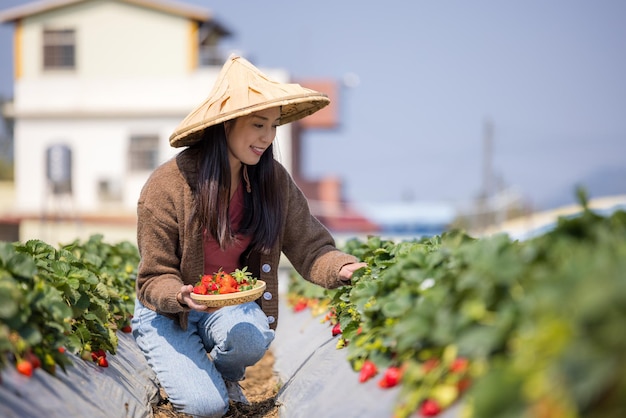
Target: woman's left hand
x,y
346,271
184,298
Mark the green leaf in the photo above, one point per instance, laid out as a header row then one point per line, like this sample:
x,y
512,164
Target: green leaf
x,y
9,295
398,306
30,334
21,265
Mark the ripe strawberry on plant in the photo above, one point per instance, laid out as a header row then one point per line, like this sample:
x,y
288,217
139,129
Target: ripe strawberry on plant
x,y
103,362
391,378
33,359
24,367
368,370
430,408
430,364
98,355
300,305
337,329
459,365
329,316
463,384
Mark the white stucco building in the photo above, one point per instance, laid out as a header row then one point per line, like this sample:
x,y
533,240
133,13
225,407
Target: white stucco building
x,y
108,80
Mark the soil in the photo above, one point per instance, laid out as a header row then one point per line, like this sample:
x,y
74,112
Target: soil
x,y
260,387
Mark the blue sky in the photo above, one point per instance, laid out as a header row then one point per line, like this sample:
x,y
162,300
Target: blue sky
x,y
549,75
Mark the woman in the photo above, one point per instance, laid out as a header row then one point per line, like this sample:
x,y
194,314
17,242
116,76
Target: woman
x,y
224,203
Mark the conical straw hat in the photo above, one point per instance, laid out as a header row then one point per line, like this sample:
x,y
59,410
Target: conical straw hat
x,y
241,89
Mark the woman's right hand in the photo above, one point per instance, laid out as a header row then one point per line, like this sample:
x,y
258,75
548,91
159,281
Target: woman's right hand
x,y
184,298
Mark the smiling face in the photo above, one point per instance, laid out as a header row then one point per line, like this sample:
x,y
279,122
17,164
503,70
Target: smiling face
x,y
249,136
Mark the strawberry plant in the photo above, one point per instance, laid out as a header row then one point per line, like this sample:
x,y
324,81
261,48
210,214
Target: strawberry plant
x,y
303,295
74,297
518,328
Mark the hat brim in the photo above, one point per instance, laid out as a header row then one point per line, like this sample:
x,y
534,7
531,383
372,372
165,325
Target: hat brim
x,y
292,109
240,90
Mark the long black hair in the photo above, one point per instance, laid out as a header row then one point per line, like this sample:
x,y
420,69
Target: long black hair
x,y
263,207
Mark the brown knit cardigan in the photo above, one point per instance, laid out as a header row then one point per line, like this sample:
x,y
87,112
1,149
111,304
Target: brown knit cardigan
x,y
170,241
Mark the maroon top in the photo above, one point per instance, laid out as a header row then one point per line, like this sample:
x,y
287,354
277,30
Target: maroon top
x,y
228,260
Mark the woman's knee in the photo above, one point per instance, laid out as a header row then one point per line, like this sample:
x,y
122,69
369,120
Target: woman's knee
x,y
249,341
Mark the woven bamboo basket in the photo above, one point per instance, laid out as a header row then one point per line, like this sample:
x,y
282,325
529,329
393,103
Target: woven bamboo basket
x,y
229,299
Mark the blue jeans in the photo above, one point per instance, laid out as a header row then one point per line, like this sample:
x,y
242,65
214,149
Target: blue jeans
x,y
235,337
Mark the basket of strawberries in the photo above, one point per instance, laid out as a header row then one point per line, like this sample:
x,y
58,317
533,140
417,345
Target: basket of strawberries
x,y
225,289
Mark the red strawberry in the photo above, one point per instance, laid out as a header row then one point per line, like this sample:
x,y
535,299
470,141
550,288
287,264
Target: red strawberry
x,y
25,367
61,350
430,364
229,281
127,329
96,355
463,384
337,329
206,280
392,377
430,408
33,359
459,365
368,371
227,289
102,362
200,289
300,306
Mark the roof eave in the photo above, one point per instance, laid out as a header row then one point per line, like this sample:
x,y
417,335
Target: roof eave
x,y
169,6
20,12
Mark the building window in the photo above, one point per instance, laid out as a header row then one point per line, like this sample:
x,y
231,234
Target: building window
x,y
143,152
59,49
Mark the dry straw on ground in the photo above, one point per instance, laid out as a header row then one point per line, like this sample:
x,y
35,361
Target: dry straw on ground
x,y
260,387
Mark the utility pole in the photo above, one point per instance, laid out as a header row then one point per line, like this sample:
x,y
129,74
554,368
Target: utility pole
x,y
487,159
483,209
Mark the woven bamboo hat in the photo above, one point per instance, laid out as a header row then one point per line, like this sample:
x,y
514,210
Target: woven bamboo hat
x,y
241,89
